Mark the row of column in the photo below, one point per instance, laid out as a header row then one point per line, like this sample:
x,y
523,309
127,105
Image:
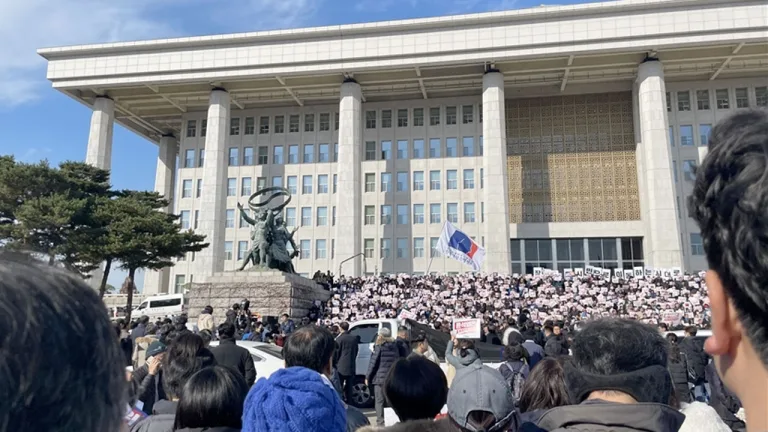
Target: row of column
x,y
662,239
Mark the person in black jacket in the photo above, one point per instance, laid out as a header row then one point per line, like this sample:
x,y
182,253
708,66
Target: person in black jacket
x,y
555,346
345,359
230,355
403,344
678,370
697,361
148,378
385,354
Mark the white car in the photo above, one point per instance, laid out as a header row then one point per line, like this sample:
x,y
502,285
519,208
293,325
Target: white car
x,y
267,358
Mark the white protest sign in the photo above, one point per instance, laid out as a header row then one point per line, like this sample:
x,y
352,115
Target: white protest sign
x,y
579,271
638,272
568,272
617,272
628,274
672,317
467,328
406,314
606,273
538,271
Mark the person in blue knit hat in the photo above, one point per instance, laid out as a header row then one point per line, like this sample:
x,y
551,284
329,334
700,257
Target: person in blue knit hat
x,y
292,400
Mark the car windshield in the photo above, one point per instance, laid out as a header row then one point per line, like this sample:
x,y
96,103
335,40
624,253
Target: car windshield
x,y
272,349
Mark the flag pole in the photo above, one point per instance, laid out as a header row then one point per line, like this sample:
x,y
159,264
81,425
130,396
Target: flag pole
x,y
431,255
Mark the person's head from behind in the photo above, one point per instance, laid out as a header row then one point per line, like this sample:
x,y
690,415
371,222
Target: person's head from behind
x,y
59,358
212,397
466,346
185,356
730,204
420,343
144,320
691,331
618,360
663,328
310,347
548,330
545,386
206,335
416,388
514,352
672,338
480,400
226,330
344,326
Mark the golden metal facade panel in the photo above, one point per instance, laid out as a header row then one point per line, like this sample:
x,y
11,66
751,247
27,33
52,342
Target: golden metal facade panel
x,y
572,159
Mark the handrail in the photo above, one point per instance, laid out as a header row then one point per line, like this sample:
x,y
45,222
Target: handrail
x,y
351,258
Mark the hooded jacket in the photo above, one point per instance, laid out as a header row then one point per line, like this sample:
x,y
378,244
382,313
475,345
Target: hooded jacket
x,y
600,416
459,362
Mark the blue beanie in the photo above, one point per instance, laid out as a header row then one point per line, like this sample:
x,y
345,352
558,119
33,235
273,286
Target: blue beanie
x,y
293,400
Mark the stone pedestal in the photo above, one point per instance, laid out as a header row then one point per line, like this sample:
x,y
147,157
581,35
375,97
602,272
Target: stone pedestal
x,y
271,293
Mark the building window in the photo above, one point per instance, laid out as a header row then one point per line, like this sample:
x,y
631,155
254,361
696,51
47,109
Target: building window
x,y
335,182
402,118
279,124
333,215
233,157
402,214
306,185
201,159
386,214
242,248
293,154
386,118
322,153
229,221
677,206
481,145
322,216
203,130
335,152
538,253
184,219
683,101
402,181
293,123
742,98
418,213
402,149
402,247
325,121
434,147
452,210
368,247
674,170
228,250
277,155
309,122
761,96
277,181
231,187
602,252
468,146
370,150
309,153
671,136
247,156
385,247
697,246
197,222
723,99
245,186
450,115
686,135
434,180
263,125
704,131
369,213
290,216
370,182
434,116
469,212
322,183
191,128
320,249
418,149
482,179
292,184
234,126
189,159
243,223
418,180
199,188
418,247
261,183
370,119
433,247
418,116
467,114
669,101
452,179
469,179
689,168
250,126
179,282
434,213
570,253
263,155
306,216
450,147
482,214
386,150
304,249
702,100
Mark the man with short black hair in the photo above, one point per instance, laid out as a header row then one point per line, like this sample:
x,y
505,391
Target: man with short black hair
x,y
555,345
286,325
730,204
312,347
61,368
403,344
619,378
345,359
697,360
227,353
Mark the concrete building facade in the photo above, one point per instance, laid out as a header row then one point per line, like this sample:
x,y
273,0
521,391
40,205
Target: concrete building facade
x,y
558,136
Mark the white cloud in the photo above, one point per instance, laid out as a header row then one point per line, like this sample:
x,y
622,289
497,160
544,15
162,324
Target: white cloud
x,y
436,7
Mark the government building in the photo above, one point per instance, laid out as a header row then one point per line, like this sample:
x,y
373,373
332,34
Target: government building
x,y
557,136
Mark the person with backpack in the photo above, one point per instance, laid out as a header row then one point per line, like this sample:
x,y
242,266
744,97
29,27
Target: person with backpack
x,y
515,369
693,349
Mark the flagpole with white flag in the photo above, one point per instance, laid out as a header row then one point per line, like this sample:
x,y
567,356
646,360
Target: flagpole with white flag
x,y
456,244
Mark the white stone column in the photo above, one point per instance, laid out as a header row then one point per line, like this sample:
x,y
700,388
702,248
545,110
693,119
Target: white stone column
x,y
662,227
348,229
213,199
165,180
99,152
496,191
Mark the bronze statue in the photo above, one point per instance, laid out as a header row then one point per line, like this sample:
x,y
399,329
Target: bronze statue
x,y
269,235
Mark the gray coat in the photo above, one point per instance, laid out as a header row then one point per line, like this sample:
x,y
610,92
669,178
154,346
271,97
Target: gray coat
x,y
161,420
460,362
599,416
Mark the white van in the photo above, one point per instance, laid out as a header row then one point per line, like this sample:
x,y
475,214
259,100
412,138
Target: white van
x,y
162,306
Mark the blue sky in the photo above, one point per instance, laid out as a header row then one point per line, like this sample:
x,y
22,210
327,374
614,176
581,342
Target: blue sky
x,y
40,123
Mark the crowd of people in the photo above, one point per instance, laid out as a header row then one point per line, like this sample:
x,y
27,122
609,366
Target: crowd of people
x,y
63,363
